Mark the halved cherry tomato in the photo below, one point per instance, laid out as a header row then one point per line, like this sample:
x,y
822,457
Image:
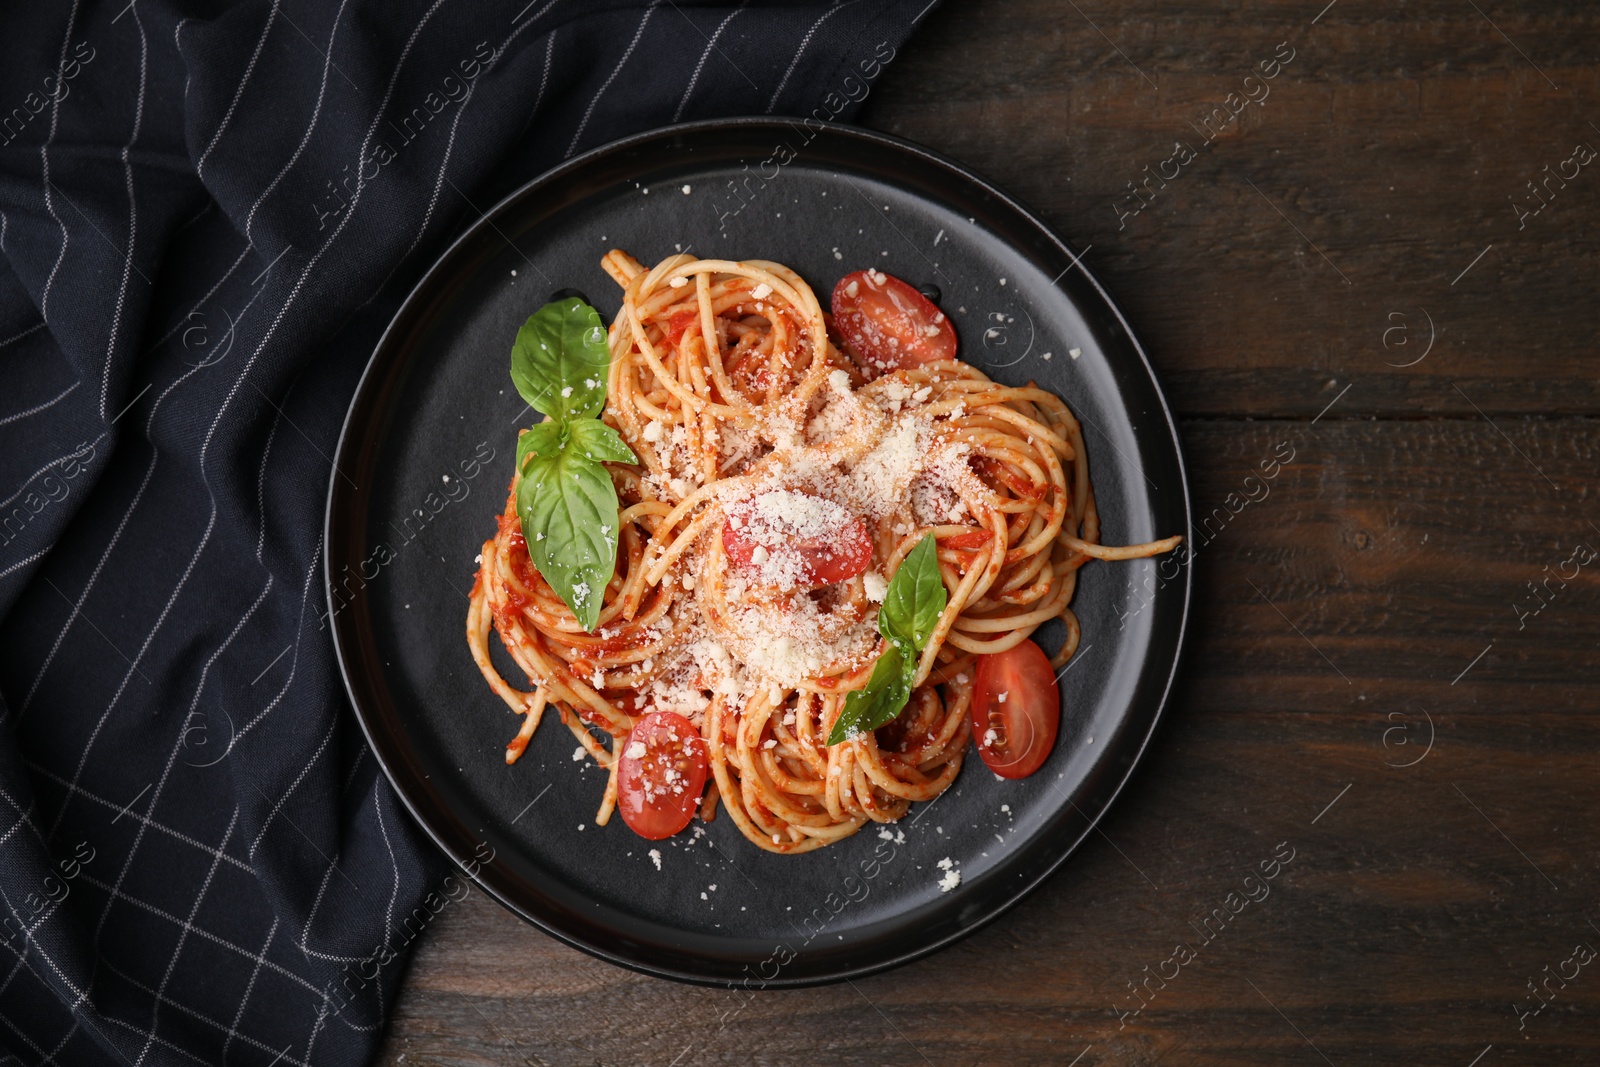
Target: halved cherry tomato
x,y
661,776
1016,710
890,324
843,551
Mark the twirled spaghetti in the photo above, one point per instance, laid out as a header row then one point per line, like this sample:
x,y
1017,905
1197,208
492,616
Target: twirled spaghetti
x,y
729,385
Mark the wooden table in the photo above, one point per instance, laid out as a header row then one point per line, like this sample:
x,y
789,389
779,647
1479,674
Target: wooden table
x,y
1342,270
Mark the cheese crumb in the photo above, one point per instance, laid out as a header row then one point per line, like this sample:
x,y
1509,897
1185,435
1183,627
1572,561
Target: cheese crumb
x,y
636,750
762,291
577,754
839,380
655,857
875,585
652,431
679,282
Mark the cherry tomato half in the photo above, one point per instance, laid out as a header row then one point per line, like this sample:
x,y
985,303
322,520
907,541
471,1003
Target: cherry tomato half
x,y
840,551
662,774
890,324
1016,710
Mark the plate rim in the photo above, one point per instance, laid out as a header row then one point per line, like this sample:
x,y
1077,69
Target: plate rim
x,y
380,741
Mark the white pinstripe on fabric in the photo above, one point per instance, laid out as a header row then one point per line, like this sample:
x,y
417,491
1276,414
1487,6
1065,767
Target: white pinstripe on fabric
x,y
444,162
304,944
70,1034
250,987
112,805
800,51
164,338
162,1000
261,483
188,928
588,112
201,932
44,164
394,888
133,668
35,328
294,658
393,78
21,563
30,1042
238,94
711,44
163,1042
48,404
277,805
183,730
133,216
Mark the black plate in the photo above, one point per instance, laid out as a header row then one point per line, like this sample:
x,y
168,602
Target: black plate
x,y
437,400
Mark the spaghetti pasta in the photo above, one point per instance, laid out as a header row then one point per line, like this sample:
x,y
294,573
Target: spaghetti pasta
x,y
745,408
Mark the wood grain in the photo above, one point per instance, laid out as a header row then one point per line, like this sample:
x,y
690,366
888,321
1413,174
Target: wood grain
x,y
1374,597
1393,142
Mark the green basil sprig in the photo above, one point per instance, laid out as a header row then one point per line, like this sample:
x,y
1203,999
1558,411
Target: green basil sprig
x,y
565,498
911,608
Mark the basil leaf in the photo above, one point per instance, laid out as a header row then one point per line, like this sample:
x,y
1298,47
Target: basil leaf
x,y
568,508
560,360
542,439
915,598
884,697
595,440
911,608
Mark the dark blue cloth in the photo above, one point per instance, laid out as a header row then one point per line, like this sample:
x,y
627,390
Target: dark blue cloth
x,y
202,239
